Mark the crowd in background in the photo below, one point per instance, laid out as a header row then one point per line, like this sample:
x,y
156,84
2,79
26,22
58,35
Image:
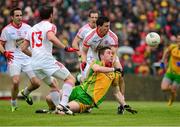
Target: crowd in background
x,y
131,20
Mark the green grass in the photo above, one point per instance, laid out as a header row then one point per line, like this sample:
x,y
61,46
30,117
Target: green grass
x,y
149,114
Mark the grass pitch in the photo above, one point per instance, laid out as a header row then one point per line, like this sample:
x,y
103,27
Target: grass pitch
x,y
149,114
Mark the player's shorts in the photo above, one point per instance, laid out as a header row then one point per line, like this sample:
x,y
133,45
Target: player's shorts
x,y
56,70
19,65
173,77
80,96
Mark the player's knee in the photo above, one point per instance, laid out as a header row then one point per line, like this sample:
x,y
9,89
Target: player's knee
x,y
71,79
15,81
35,82
164,87
48,98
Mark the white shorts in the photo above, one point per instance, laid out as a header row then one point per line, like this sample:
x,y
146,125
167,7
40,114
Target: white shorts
x,y
57,70
20,65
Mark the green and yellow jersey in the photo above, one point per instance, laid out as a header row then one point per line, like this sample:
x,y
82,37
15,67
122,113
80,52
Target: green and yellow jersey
x,y
97,83
174,60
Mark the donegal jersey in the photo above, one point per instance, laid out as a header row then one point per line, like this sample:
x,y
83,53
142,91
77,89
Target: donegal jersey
x,y
97,84
40,45
174,61
93,41
13,37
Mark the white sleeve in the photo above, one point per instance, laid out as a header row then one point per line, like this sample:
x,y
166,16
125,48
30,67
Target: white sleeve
x,y
51,27
4,35
28,35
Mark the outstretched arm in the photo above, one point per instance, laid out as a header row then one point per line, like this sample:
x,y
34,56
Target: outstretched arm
x,y
52,37
75,44
2,50
118,95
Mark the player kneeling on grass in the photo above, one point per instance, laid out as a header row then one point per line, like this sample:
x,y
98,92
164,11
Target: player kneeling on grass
x,y
92,91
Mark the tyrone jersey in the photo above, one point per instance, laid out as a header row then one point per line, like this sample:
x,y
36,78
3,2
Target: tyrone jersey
x,y
13,37
83,31
41,47
93,41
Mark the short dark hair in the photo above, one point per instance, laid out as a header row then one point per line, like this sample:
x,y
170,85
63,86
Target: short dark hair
x,y
101,20
45,12
13,10
101,51
92,12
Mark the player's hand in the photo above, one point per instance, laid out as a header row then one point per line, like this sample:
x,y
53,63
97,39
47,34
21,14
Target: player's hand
x,y
9,55
83,65
70,49
119,70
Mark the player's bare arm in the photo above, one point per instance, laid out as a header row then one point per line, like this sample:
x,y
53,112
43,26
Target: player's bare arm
x,y
52,37
2,46
98,68
118,95
165,55
116,63
24,46
84,53
27,52
75,44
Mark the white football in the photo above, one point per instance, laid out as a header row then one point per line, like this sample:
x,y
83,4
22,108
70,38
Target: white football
x,y
153,39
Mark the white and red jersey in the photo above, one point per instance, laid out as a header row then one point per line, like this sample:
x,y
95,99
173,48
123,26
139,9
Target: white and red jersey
x,y
41,47
84,30
13,36
82,33
93,41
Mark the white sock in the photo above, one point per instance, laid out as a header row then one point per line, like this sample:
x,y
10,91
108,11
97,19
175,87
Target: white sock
x,y
55,97
26,91
13,102
66,91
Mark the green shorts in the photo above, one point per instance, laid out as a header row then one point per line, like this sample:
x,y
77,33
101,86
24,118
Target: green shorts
x,y
79,95
173,77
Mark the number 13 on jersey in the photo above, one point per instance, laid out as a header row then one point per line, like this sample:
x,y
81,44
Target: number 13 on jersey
x,y
36,39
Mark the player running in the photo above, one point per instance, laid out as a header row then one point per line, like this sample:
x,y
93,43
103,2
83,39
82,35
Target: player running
x,y
11,37
41,39
171,79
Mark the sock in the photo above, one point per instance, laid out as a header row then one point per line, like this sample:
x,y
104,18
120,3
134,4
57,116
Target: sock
x,y
13,103
26,91
55,97
66,91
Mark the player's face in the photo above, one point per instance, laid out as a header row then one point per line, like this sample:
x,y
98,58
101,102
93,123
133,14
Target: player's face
x,y
108,56
17,17
93,18
104,28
